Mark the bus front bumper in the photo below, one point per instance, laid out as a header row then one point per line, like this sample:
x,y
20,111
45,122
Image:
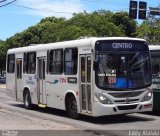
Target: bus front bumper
x,y
114,109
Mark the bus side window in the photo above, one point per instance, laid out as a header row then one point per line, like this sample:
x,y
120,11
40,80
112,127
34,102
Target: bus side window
x,y
56,61
24,62
71,59
31,63
11,63
155,65
48,62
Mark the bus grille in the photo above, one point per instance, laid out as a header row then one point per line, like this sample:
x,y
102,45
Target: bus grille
x,y
129,101
127,107
126,94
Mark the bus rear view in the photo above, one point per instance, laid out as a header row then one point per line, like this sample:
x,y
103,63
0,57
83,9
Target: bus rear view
x,y
122,77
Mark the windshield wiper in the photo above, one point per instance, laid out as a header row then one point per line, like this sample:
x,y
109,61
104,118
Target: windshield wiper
x,y
134,57
139,63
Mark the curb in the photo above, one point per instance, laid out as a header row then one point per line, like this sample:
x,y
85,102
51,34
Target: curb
x,y
2,86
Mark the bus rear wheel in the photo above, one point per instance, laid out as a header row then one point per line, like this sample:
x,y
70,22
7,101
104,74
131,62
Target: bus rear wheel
x,y
27,100
72,110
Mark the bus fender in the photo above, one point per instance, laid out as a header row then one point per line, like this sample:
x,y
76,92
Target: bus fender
x,y
26,88
71,92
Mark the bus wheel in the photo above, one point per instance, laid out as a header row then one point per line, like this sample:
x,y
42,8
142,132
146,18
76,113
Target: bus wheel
x,y
27,100
72,110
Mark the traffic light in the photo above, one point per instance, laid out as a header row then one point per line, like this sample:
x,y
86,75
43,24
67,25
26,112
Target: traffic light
x,y
142,10
133,10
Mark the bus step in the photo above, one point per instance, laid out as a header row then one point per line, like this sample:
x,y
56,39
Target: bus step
x,y
42,105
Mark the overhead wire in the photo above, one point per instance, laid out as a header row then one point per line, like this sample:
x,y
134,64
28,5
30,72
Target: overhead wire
x,y
43,10
8,3
107,2
60,12
2,1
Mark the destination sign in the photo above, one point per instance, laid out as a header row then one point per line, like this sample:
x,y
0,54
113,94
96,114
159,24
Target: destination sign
x,y
121,45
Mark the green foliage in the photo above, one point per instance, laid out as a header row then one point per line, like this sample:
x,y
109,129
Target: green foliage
x,y
1,42
150,30
51,29
127,25
97,22
3,51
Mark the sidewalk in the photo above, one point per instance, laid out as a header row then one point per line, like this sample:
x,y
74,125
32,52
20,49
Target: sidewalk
x,y
2,86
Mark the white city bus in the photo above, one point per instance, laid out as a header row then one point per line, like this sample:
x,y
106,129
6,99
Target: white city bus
x,y
94,76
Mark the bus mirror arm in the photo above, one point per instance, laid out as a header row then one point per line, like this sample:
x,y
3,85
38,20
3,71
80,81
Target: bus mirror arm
x,y
94,64
94,54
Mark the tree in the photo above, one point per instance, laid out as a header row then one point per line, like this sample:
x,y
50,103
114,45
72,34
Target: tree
x,y
127,25
52,29
99,22
2,55
150,30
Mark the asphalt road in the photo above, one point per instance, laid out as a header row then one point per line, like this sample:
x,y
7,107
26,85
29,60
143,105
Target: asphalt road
x,y
13,116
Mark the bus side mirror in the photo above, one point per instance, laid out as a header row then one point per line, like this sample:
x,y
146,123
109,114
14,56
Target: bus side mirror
x,y
94,65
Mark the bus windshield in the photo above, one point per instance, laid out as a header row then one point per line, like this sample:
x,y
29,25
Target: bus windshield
x,y
128,70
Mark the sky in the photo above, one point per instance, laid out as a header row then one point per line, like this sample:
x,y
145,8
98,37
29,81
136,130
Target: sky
x,y
21,14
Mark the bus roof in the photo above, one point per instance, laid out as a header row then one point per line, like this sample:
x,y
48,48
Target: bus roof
x,y
69,44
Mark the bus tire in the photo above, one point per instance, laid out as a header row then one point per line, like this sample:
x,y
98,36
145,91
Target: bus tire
x,y
72,110
27,100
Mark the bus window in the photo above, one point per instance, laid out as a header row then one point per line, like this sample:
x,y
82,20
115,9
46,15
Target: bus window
x,y
48,62
122,67
56,61
31,63
24,62
71,57
83,69
155,65
11,63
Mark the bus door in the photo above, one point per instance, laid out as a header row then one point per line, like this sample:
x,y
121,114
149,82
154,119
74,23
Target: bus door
x,y
85,83
41,80
18,78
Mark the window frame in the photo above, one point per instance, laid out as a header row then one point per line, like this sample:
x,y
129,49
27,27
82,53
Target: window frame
x,y
75,61
54,62
27,63
24,62
8,63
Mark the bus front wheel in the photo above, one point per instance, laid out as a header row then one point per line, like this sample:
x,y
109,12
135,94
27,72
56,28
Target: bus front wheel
x,y
27,100
72,110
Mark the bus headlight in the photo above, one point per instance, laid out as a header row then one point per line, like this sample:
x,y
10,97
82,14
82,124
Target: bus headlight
x,y
147,97
103,99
